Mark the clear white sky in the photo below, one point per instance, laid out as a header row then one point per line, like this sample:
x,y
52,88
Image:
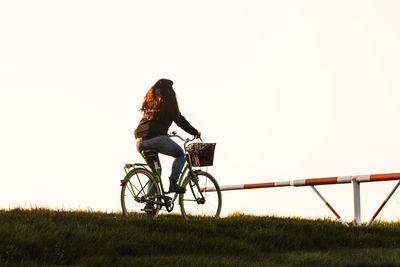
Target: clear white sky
x,y
287,89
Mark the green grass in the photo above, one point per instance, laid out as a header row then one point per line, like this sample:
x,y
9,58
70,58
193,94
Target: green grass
x,y
42,237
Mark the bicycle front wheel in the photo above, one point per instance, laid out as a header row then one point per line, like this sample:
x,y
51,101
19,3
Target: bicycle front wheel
x,y
202,198
135,191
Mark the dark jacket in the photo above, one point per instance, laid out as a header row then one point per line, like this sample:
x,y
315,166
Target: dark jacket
x,y
159,125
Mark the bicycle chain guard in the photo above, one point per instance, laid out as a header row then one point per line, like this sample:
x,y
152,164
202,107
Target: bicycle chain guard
x,y
167,201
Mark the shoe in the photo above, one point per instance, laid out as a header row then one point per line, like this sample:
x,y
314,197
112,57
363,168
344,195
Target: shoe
x,y
149,209
174,187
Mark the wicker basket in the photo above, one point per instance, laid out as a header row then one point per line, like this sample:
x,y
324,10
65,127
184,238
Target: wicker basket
x,y
201,154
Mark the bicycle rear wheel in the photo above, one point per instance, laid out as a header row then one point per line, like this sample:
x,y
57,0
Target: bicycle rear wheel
x,y
133,192
197,201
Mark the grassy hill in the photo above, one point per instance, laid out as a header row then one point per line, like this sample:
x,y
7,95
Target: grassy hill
x,y
41,237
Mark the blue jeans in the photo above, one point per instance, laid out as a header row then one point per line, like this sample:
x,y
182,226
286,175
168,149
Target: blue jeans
x,y
165,145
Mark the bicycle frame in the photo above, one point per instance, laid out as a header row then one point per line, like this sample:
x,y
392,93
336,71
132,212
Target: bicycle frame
x,y
186,173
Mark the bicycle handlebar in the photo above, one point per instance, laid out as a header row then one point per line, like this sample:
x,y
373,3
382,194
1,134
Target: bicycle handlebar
x,y
187,140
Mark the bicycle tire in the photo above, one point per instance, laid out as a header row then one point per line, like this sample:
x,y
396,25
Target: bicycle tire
x,y
135,186
191,202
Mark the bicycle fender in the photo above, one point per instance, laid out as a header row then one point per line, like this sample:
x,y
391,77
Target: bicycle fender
x,y
129,173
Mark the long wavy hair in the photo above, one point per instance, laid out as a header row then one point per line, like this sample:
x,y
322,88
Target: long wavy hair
x,y
160,97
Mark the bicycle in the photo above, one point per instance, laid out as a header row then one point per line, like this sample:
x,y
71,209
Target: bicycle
x,y
142,184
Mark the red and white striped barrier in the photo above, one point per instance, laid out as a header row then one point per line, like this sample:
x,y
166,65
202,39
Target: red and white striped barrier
x,y
315,181
355,179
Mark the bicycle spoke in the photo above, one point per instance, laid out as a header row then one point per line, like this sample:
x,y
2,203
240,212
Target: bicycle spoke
x,y
139,180
130,189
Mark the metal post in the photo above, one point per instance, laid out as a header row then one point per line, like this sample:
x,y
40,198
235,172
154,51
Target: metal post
x,y
383,204
357,206
329,206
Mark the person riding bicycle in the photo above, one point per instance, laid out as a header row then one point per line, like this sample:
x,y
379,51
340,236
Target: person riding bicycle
x,y
160,108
